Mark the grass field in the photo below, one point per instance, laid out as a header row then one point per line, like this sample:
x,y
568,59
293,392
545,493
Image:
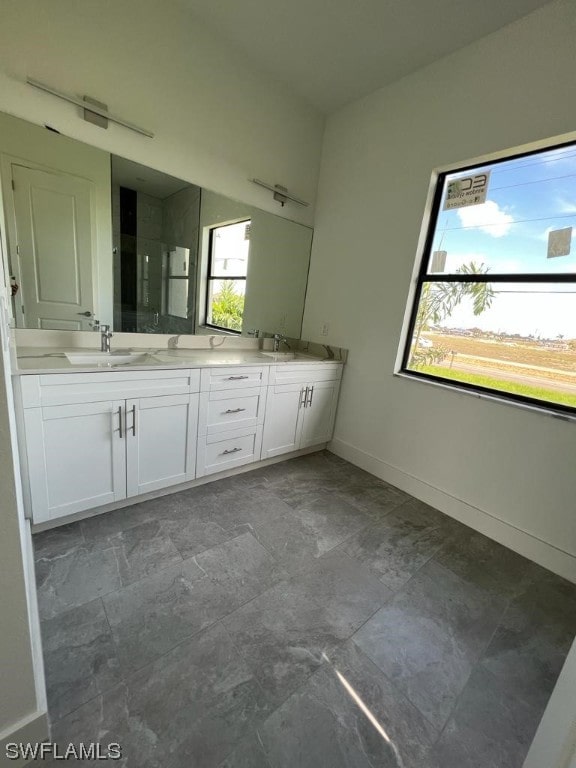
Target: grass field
x,y
518,352
525,390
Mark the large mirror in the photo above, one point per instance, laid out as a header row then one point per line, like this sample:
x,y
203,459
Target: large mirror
x,y
94,237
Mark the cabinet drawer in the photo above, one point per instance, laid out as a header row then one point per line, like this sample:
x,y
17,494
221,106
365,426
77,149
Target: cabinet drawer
x,y
305,374
226,409
67,388
214,379
225,450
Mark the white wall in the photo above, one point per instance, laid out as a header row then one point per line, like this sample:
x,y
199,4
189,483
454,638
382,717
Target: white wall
x,y
22,693
217,120
465,455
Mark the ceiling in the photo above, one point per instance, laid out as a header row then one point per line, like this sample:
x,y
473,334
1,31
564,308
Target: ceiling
x,y
331,52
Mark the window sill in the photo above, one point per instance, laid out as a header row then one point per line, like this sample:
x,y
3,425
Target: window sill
x,y
542,410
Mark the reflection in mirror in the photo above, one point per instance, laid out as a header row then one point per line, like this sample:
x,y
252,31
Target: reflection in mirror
x,y
155,221
98,238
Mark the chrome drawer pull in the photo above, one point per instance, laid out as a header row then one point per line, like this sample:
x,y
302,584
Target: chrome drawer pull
x,y
231,450
237,378
234,410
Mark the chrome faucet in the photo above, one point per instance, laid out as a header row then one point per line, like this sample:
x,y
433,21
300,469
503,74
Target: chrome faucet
x,y
105,337
278,340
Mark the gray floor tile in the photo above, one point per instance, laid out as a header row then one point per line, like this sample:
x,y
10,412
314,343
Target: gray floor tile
x,y
111,523
195,530
79,656
400,544
285,632
375,499
347,593
530,645
58,541
246,507
249,754
155,614
428,637
310,529
483,562
347,714
241,566
190,708
76,577
282,566
491,727
142,550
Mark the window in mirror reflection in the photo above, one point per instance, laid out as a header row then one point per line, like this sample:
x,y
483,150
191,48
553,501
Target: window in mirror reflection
x,y
226,279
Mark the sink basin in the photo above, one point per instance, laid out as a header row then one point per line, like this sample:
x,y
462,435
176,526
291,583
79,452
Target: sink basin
x,y
116,357
280,355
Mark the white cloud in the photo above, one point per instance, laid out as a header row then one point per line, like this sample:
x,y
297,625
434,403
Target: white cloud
x,y
488,217
566,206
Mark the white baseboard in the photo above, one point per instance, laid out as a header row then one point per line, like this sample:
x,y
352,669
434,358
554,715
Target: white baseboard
x,y
535,549
32,729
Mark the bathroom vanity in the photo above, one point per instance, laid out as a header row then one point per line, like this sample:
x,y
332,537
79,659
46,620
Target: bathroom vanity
x,y
92,436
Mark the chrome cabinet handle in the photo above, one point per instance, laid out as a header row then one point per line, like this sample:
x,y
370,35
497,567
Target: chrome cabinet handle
x,y
237,378
234,410
231,450
309,403
120,421
133,427
303,397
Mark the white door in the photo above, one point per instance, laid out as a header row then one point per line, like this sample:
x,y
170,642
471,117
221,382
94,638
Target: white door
x,y
54,249
76,457
160,441
319,413
283,421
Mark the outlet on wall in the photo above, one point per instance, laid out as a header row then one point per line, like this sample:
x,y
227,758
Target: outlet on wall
x,y
324,328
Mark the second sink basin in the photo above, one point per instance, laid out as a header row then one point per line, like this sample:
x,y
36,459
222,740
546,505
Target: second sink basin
x,y
105,358
280,355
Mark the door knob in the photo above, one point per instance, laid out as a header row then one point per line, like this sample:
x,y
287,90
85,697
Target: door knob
x,y
85,314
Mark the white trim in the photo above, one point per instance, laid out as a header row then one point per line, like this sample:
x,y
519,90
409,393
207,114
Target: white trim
x,y
452,384
542,552
31,729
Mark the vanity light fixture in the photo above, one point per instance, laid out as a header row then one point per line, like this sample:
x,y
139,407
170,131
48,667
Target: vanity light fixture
x,y
280,193
94,111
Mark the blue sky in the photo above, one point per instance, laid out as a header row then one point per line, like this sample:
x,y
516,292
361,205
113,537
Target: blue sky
x,y
527,197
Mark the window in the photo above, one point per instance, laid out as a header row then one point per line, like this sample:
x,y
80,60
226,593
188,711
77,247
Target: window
x,y
226,279
495,301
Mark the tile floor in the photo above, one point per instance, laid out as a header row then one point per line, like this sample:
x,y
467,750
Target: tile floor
x,y
303,615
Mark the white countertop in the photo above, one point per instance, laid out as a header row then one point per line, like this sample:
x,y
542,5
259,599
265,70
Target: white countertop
x,y
41,360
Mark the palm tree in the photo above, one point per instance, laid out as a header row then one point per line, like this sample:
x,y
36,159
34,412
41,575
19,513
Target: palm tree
x,y
438,300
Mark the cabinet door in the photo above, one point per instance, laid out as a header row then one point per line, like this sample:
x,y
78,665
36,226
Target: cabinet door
x,y
76,457
319,413
160,441
283,420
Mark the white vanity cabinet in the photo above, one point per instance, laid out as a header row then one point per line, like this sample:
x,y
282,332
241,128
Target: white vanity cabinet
x,y
232,408
301,407
92,439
